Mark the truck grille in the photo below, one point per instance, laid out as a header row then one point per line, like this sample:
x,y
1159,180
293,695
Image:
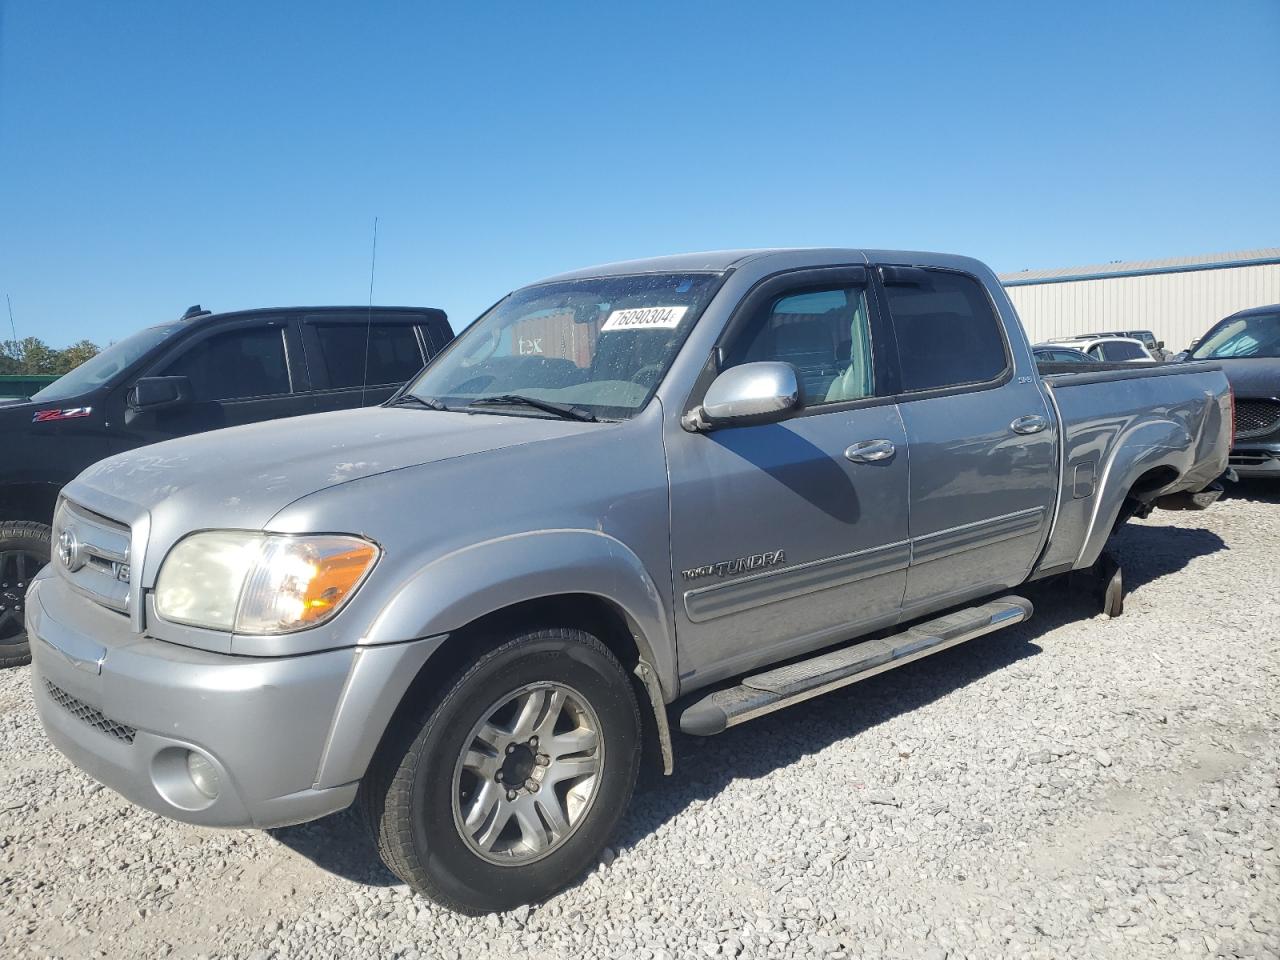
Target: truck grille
x,y
92,552
90,715
1256,417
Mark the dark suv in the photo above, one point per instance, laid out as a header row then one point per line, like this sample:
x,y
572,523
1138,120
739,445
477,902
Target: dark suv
x,y
202,372
1247,347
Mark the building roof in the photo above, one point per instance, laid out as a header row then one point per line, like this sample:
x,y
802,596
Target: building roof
x,y
1137,268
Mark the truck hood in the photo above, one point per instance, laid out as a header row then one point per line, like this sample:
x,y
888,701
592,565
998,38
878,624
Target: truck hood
x,y
241,477
1252,377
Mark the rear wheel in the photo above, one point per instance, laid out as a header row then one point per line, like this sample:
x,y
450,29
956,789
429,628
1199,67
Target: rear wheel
x,y
511,780
24,549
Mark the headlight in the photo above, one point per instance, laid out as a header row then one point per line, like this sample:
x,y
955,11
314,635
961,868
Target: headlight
x,y
260,583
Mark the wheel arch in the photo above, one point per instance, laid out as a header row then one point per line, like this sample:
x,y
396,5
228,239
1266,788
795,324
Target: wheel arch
x,y
578,579
1144,463
583,573
32,501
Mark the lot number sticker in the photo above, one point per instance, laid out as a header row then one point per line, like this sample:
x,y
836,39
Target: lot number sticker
x,y
644,318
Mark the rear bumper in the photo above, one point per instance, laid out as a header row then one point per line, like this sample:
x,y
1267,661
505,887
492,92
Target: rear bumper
x,y
283,735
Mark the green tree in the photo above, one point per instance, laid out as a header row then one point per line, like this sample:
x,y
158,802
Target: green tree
x,y
31,356
75,355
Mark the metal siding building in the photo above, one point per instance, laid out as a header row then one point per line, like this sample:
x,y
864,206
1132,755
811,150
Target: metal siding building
x,y
1177,299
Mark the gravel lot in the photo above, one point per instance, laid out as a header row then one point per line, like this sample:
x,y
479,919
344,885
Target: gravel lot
x,y
1073,787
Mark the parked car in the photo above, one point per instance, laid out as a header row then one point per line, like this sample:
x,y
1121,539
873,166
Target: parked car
x,y
621,500
1146,337
1247,347
1106,349
1045,353
202,372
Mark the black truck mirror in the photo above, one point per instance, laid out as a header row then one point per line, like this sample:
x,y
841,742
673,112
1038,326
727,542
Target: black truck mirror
x,y
155,393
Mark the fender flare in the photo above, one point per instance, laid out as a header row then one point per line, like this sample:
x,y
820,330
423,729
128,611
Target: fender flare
x,y
460,587
1164,443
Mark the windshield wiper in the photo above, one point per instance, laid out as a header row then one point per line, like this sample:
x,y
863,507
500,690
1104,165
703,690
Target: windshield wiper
x,y
411,399
563,410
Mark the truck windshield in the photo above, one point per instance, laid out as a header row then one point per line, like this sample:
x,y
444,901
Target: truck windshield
x,y
1257,335
602,345
100,369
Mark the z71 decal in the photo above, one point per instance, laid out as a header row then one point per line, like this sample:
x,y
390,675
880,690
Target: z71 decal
x,y
71,413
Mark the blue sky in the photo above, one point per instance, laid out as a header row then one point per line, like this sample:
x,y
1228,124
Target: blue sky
x,y
154,155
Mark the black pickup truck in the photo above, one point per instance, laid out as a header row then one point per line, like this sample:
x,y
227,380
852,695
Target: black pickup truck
x,y
202,372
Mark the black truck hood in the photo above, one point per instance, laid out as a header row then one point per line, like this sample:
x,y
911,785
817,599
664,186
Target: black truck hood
x,y
1252,376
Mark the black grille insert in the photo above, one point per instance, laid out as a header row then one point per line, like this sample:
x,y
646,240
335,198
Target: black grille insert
x,y
90,715
1256,417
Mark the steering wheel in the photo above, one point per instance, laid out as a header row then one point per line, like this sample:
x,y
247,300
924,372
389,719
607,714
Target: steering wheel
x,y
647,375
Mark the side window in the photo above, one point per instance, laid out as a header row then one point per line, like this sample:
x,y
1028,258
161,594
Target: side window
x,y
948,332
825,334
1096,351
1122,351
235,365
394,355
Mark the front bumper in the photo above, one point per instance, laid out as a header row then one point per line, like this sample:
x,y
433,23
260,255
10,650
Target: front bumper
x,y
127,708
1256,460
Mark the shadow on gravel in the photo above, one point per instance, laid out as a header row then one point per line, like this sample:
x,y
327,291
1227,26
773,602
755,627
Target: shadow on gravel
x,y
1149,553
339,844
1259,491
705,766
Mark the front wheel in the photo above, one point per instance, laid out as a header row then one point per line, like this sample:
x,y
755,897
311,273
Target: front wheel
x,y
24,549
509,782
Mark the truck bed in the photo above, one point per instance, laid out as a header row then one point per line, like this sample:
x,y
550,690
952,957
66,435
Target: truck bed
x,y
1126,429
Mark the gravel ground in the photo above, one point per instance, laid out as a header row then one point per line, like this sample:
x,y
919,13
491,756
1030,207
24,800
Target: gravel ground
x,y
1072,787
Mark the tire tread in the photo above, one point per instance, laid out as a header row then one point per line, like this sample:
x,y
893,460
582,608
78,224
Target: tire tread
x,y
21,530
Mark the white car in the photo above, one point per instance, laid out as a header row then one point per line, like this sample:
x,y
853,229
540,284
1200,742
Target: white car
x,y
1106,349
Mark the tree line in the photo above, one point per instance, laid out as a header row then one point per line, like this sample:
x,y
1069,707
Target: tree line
x,y
31,356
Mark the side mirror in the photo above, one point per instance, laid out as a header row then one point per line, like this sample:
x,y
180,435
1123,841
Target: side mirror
x,y
1159,344
752,393
156,393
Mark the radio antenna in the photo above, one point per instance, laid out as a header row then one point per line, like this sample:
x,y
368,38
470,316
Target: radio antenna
x,y
14,327
368,330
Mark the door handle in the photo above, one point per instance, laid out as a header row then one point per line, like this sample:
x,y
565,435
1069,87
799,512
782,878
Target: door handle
x,y
870,451
1033,423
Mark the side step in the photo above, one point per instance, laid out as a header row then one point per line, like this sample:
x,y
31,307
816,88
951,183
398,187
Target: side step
x,y
783,686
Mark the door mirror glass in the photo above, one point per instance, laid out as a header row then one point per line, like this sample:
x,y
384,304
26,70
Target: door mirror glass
x,y
751,393
155,393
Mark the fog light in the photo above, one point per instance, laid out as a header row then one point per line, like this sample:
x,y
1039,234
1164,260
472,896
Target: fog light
x,y
203,774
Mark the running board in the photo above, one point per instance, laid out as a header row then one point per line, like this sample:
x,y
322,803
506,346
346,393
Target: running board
x,y
784,686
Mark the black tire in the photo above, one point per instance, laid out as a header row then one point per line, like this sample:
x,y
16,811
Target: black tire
x,y
407,796
24,549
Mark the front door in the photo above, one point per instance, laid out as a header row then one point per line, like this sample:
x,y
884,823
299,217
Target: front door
x,y
781,542
984,475
241,372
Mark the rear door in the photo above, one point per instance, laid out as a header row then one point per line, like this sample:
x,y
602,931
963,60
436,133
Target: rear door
x,y
784,537
355,360
983,476
242,371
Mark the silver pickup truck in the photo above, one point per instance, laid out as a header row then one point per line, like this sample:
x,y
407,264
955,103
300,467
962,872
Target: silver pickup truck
x,y
683,492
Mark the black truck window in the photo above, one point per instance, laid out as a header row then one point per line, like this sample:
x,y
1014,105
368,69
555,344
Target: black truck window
x,y
235,365
394,355
948,333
